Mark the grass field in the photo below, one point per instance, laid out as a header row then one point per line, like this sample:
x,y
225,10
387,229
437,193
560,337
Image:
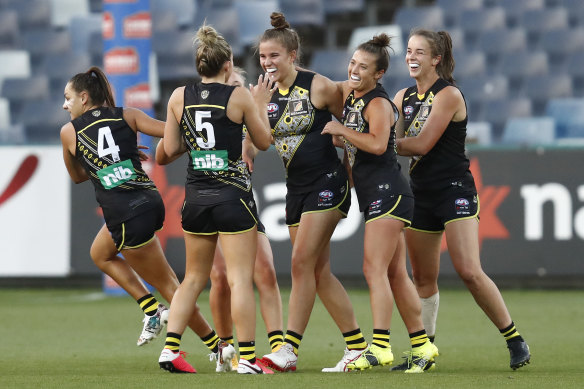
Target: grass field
x,y
83,339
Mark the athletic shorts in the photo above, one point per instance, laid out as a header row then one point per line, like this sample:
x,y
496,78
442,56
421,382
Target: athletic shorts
x,y
333,194
432,212
139,230
229,217
398,207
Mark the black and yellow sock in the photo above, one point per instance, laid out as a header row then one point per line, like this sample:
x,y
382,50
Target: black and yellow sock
x,y
294,339
228,340
418,338
276,338
211,341
355,340
432,338
511,334
380,338
247,351
148,304
172,341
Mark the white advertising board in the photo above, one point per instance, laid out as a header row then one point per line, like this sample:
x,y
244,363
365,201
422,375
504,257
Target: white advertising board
x,y
35,209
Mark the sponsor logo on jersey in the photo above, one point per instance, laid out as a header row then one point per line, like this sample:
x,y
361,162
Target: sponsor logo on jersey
x,y
138,25
375,207
204,94
297,107
462,206
408,110
210,160
273,110
107,26
424,112
116,174
352,119
138,96
325,197
122,60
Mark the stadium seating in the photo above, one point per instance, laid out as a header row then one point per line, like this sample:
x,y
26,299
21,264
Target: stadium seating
x,y
32,13
184,11
9,30
84,26
42,120
499,43
514,9
331,63
497,112
62,11
427,17
479,133
253,19
453,9
539,22
15,64
477,21
568,114
224,19
549,86
560,44
521,65
303,12
363,34
470,64
333,7
529,131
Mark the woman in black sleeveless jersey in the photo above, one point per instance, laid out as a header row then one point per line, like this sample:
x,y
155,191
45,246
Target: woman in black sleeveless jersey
x,y
264,272
100,145
387,203
318,193
434,123
205,119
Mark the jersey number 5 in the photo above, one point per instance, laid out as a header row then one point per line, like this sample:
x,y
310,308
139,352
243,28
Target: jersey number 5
x,y
208,127
106,145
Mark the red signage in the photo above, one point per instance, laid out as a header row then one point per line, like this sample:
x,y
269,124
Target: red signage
x,y
138,96
122,60
107,27
138,25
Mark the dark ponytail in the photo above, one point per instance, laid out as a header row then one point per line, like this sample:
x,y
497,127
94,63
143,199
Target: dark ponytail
x,y
96,84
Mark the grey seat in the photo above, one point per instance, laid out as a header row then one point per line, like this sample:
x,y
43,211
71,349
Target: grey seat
x,y
331,63
568,114
253,19
408,18
529,131
303,12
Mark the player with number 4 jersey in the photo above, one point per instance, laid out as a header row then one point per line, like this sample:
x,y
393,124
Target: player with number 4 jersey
x,y
100,144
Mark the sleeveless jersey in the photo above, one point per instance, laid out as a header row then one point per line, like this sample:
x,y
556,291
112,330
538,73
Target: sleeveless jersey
x,y
446,164
107,150
216,171
375,176
296,127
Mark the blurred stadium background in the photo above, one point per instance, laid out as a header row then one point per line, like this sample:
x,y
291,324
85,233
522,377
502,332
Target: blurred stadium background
x,y
514,58
519,64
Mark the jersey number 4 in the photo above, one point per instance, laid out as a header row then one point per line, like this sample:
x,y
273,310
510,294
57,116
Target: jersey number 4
x,y
106,145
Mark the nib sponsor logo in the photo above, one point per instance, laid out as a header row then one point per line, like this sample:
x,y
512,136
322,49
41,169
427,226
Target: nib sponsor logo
x,y
122,60
138,25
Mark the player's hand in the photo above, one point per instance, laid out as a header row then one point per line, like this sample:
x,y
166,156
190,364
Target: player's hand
x,y
143,156
334,128
264,89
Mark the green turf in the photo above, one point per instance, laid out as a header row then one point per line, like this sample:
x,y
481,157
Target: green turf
x,y
82,339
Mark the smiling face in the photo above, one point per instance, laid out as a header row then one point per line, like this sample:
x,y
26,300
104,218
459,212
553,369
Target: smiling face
x,y
74,102
363,73
276,60
419,57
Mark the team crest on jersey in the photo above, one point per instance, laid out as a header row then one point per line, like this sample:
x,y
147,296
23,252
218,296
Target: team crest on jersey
x,y
352,119
273,109
298,107
204,94
96,113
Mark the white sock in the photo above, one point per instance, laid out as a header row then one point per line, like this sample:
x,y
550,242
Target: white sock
x,y
430,313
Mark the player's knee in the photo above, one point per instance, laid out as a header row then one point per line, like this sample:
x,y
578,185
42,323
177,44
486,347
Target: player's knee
x,y
219,280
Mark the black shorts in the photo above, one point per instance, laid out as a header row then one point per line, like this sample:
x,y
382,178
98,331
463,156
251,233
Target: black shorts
x,y
432,212
261,228
398,207
137,231
230,217
333,194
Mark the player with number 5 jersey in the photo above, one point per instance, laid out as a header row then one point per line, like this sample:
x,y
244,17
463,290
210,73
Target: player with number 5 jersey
x,y
205,119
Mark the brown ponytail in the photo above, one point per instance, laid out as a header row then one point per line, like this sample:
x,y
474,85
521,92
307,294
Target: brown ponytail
x,y
96,84
212,51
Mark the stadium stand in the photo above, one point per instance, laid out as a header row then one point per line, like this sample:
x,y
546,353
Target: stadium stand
x,y
569,116
514,58
479,133
529,131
